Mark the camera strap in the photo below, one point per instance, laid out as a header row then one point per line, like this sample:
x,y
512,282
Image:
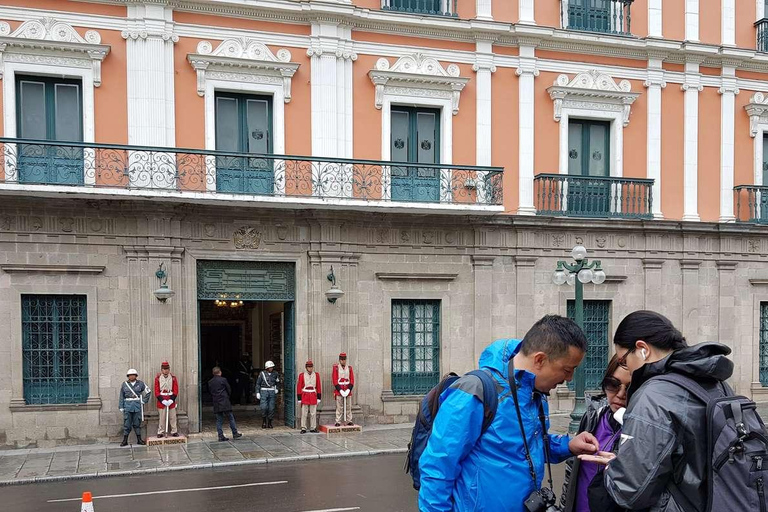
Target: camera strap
x,y
542,418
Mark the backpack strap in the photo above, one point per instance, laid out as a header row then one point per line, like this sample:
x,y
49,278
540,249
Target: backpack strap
x,y
490,397
688,384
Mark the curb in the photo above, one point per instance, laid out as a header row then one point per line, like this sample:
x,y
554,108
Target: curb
x,y
207,465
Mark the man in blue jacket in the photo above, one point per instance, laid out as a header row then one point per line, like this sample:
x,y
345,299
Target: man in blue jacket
x,y
464,470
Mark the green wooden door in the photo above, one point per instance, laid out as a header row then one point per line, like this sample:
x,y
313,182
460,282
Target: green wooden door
x,y
589,152
762,198
415,138
49,109
591,15
417,6
289,365
244,125
597,315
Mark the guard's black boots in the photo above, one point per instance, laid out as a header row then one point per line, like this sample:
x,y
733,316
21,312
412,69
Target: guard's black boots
x,y
264,423
269,424
125,441
139,440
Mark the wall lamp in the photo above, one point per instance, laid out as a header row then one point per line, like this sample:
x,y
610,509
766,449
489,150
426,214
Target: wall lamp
x,y
164,292
335,292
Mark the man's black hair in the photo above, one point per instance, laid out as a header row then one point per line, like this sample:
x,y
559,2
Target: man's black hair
x,y
553,335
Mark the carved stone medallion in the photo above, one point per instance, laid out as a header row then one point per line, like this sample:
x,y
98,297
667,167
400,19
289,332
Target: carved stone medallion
x,y
247,237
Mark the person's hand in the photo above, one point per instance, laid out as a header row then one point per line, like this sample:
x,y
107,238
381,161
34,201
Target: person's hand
x,y
258,396
299,401
584,444
167,403
121,410
277,391
603,458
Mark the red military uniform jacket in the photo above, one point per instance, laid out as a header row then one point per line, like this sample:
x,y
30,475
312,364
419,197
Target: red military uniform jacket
x,y
172,395
347,382
308,394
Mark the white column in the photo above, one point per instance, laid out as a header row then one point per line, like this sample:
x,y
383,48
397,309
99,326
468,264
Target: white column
x,y
149,59
760,9
728,22
728,92
526,12
484,67
692,20
654,18
655,84
527,72
692,87
484,11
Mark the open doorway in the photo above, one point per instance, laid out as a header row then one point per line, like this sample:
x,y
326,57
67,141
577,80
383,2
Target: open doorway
x,y
240,337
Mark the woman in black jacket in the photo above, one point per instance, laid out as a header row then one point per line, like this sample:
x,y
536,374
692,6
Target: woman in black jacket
x,y
599,421
663,452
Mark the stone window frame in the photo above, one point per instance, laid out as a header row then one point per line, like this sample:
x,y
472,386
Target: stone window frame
x,y
50,47
417,80
68,287
593,95
243,65
757,110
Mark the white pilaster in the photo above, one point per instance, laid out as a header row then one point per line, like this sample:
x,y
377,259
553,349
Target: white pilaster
x,y
655,84
760,9
691,87
654,18
728,92
484,11
484,67
526,12
331,90
527,72
149,56
692,20
728,22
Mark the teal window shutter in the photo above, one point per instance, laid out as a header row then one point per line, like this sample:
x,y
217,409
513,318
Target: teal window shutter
x,y
54,349
415,346
764,343
597,315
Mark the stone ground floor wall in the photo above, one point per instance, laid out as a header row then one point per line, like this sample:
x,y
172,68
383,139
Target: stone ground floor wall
x,y
492,276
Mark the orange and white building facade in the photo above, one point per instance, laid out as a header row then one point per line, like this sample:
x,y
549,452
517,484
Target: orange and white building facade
x,y
636,128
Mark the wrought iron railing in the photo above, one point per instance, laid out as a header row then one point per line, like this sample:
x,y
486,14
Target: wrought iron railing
x,y
586,196
751,203
608,16
192,171
434,7
761,27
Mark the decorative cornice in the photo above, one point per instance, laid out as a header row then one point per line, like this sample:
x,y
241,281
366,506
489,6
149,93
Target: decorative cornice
x,y
55,269
417,71
652,264
690,264
726,265
483,260
53,38
414,276
595,87
143,34
243,56
757,109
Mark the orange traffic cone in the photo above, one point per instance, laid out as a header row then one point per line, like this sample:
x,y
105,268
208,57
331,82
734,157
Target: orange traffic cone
x,y
87,505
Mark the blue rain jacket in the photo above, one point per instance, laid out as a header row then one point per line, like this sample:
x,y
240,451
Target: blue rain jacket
x,y
462,471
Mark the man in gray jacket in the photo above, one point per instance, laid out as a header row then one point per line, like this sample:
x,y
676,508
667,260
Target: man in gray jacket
x,y
133,395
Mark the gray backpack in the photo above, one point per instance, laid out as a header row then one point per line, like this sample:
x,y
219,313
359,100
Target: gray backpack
x,y
737,470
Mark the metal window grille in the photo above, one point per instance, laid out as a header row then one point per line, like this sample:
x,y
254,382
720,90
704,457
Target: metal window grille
x,y
597,314
415,346
54,349
764,343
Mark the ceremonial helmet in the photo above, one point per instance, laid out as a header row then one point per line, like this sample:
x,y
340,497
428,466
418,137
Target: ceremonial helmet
x,y
269,364
132,371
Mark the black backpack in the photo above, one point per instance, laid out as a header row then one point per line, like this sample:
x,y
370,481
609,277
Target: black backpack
x,y
430,405
737,469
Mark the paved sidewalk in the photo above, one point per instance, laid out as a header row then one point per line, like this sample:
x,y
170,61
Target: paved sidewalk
x,y
77,462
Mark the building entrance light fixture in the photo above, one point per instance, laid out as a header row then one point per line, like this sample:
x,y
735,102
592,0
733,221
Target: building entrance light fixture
x,y
335,293
164,292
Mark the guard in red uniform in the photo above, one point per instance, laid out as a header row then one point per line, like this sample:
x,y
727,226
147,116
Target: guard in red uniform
x,y
166,392
343,382
308,394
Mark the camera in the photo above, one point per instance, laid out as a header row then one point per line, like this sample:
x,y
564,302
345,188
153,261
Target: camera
x,y
542,500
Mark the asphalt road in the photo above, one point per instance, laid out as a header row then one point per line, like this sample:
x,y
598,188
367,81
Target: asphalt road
x,y
360,483
370,484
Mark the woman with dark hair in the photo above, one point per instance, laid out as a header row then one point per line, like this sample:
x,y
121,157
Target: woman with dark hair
x,y
662,460
598,420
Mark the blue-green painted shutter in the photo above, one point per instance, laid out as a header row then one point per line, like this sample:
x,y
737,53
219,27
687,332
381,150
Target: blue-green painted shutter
x,y
597,328
764,343
415,346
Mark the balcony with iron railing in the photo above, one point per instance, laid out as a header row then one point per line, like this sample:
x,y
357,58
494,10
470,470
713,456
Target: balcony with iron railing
x,y
36,167
432,7
596,197
751,203
605,16
761,28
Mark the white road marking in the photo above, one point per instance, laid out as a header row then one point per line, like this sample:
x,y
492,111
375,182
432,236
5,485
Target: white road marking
x,y
171,491
333,509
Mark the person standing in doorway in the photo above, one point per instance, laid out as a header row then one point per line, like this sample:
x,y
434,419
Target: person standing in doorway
x,y
308,392
266,392
220,392
166,392
343,381
133,395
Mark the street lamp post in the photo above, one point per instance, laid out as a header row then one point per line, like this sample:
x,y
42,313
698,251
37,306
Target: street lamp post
x,y
578,273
